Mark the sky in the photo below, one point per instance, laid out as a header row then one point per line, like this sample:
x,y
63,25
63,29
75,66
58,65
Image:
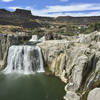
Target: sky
x,y
55,8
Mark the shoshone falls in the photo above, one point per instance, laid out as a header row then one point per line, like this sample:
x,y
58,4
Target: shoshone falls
x,y
24,59
24,77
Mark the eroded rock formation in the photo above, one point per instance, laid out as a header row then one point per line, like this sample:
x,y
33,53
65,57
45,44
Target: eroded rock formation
x,y
76,61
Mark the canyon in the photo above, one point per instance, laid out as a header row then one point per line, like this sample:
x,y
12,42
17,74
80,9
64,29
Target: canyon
x,y
74,59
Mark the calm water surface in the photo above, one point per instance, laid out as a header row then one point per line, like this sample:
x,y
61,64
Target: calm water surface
x,y
30,87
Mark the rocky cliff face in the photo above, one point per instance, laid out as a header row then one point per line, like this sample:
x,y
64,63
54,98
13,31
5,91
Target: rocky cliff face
x,y
22,18
76,61
78,20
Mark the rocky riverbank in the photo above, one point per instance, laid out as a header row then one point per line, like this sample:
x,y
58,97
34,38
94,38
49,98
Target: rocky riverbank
x,y
75,60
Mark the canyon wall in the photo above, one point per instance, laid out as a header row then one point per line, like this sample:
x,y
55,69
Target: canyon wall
x,y
76,61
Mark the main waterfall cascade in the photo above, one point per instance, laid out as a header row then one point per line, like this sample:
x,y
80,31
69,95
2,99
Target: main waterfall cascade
x,y
25,59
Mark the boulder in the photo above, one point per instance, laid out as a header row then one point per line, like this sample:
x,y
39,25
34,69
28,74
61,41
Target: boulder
x,y
94,94
71,96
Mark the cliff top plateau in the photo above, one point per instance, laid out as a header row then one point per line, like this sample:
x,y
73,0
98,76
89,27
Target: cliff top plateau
x,y
23,21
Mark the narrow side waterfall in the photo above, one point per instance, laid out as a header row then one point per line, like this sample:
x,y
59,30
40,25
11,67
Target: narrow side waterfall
x,y
24,59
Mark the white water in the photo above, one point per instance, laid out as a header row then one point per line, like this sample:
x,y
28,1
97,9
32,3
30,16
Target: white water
x,y
35,39
24,59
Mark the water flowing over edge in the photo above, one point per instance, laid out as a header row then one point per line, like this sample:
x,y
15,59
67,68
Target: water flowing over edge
x,y
24,59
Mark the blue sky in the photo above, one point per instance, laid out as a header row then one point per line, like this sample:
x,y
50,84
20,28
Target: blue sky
x,y
54,8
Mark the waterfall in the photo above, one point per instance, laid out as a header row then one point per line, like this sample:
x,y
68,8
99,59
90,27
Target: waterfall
x,y
24,59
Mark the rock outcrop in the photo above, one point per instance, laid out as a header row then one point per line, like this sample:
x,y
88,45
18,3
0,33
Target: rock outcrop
x,y
22,18
78,20
23,12
76,61
94,94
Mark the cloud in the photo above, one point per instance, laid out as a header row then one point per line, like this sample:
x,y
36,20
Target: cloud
x,y
7,0
15,7
95,13
66,10
76,14
64,0
73,7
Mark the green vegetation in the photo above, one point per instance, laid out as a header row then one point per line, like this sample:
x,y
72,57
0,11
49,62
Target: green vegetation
x,y
97,26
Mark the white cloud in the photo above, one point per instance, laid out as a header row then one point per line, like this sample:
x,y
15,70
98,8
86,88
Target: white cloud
x,y
64,0
7,0
68,10
14,8
95,13
73,7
